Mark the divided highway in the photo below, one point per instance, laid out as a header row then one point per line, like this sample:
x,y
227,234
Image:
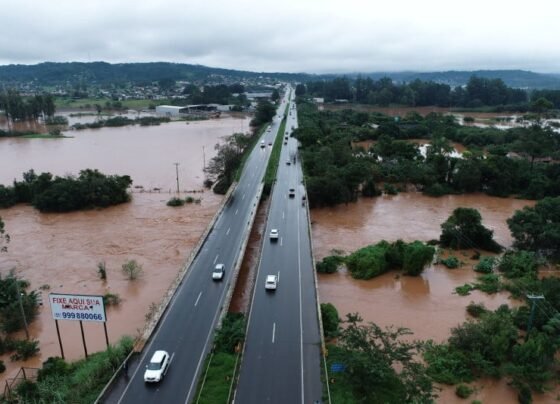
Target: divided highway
x,y
187,327
281,362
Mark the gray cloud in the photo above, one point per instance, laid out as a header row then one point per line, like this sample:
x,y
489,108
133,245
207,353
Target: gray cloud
x,y
305,35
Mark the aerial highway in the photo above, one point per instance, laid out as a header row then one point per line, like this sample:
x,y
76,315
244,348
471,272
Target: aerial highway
x,y
281,362
187,326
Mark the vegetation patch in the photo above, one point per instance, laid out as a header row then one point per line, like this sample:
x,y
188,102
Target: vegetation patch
x,y
77,382
215,385
377,259
450,262
330,264
90,189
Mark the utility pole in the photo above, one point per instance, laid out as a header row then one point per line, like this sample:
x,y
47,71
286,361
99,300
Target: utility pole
x,y
203,159
177,173
533,299
21,308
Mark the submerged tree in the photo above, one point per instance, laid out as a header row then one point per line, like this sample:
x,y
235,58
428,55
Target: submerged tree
x,y
464,229
381,367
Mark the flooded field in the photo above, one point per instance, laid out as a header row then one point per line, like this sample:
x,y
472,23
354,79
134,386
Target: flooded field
x,y
425,304
60,252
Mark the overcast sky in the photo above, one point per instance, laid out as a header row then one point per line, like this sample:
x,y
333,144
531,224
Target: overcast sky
x,y
315,36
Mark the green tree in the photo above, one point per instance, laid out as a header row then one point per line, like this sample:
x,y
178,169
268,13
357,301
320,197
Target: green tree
x,y
538,228
331,321
275,95
382,366
132,269
4,237
464,229
300,90
264,113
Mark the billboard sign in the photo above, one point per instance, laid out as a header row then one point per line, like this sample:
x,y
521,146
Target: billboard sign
x,y
77,307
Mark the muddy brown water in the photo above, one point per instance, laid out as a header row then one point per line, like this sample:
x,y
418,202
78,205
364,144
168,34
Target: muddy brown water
x,y
424,304
61,251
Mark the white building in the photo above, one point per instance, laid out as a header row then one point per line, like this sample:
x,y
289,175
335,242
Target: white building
x,y
170,110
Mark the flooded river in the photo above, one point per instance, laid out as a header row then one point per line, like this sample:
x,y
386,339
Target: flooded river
x,y
425,304
60,252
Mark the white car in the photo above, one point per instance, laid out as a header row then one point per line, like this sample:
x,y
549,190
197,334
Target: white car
x,y
218,273
271,282
157,367
274,234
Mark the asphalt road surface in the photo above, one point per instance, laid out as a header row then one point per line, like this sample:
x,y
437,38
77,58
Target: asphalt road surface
x,y
187,327
282,359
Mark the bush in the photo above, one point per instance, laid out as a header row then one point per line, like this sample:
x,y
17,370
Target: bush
x,y
231,333
102,270
189,199
463,391
331,321
446,365
2,366
450,262
515,264
25,349
368,262
330,264
476,309
111,299
28,391
53,366
390,189
132,269
175,202
488,283
485,265
416,256
465,289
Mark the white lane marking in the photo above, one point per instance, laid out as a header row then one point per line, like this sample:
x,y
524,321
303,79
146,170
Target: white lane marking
x,y
236,210
278,277
300,309
243,197
281,241
216,259
283,215
273,331
227,232
197,299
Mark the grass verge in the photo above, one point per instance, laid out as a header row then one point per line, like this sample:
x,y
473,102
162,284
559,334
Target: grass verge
x,y
341,391
62,103
77,382
44,136
214,387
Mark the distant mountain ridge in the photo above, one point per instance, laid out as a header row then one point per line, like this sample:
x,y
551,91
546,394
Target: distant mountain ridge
x,y
51,73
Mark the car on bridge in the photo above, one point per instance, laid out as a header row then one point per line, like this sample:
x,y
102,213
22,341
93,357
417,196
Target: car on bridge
x,y
218,273
292,193
274,235
271,282
157,367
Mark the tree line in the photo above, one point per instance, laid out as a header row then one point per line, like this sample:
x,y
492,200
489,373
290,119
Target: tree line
x,y
338,171
479,92
17,108
91,189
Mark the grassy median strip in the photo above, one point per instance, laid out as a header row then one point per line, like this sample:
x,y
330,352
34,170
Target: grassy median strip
x,y
272,168
216,383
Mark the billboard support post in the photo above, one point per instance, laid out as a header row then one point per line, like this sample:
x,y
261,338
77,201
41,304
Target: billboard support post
x,y
83,338
59,339
106,335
